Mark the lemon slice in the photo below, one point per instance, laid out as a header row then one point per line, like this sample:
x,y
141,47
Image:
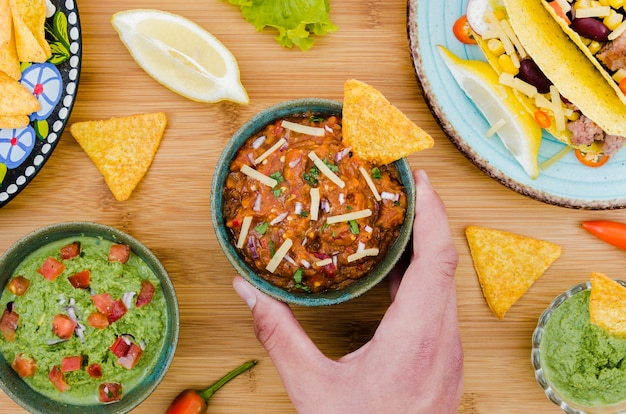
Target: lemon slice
x,y
517,129
181,55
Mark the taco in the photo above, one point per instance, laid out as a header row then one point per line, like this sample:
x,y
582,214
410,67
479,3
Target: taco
x,y
553,79
599,29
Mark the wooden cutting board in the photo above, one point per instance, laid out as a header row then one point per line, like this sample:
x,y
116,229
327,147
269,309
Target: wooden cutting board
x,y
169,211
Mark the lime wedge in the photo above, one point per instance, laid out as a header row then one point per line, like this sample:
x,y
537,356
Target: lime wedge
x,y
517,129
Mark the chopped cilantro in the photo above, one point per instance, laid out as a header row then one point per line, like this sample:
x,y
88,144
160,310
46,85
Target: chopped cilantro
x,y
272,251
278,177
349,208
261,228
314,118
376,173
297,277
331,167
302,287
325,226
277,192
304,213
310,176
354,227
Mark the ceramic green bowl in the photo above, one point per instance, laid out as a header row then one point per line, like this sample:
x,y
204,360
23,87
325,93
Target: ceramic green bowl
x,y
254,125
35,402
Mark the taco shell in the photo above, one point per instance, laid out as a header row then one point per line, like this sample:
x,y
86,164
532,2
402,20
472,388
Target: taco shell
x,y
578,40
558,57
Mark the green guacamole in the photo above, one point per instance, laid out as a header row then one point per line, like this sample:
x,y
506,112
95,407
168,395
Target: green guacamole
x,y
585,365
44,299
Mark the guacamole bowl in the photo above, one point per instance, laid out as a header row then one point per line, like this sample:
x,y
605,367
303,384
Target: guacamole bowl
x,y
311,269
96,320
578,365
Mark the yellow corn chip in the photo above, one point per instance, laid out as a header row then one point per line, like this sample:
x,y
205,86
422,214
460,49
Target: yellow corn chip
x,y
607,304
507,264
29,17
122,148
5,22
16,99
375,129
12,122
9,62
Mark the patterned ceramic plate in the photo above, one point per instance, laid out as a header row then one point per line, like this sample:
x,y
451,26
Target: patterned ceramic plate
x,y
566,183
24,151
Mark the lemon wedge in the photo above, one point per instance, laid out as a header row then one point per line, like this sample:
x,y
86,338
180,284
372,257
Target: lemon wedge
x,y
180,55
508,118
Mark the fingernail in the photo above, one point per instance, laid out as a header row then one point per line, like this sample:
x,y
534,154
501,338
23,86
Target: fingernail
x,y
424,176
245,292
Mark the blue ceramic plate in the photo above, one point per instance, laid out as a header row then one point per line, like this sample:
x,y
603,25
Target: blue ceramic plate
x,y
567,183
24,151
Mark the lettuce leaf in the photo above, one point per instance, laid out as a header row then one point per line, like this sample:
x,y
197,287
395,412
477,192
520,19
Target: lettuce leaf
x,y
295,20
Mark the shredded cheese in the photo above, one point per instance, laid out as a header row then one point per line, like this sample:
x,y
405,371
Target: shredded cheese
x,y
363,253
252,173
508,31
619,75
325,170
324,262
315,203
354,215
270,151
243,235
303,129
370,183
524,87
495,128
594,11
565,6
618,31
278,256
559,117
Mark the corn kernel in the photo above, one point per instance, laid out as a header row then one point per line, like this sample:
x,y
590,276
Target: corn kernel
x,y
604,2
613,20
616,4
594,47
506,64
574,116
619,75
495,46
500,14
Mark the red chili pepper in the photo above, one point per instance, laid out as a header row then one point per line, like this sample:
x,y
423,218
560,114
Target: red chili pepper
x,y
196,401
611,232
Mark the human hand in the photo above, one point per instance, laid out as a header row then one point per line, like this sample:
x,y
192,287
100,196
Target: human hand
x,y
414,361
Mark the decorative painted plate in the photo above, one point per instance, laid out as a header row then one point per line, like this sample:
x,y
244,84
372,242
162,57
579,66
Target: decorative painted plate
x,y
24,151
566,183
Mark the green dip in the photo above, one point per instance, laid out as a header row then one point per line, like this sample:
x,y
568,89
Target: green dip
x,y
45,299
584,364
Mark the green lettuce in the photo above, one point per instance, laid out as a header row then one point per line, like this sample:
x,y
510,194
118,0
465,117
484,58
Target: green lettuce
x,y
295,20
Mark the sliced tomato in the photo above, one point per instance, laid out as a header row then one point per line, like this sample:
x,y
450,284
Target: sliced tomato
x,y
94,371
103,302
145,293
120,346
97,320
463,32
72,363
118,309
559,11
58,379
63,326
81,279
132,356
19,285
594,162
51,268
110,391
119,253
8,324
70,251
24,366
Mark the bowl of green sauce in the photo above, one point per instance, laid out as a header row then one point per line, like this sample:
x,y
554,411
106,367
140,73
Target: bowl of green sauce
x,y
581,368
89,320
299,215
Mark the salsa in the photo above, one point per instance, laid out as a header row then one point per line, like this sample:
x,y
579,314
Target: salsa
x,y
81,320
306,213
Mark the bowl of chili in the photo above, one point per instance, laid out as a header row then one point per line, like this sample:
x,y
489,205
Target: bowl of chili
x,y
299,215
89,320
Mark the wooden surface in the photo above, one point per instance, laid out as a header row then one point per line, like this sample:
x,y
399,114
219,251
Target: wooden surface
x,y
169,211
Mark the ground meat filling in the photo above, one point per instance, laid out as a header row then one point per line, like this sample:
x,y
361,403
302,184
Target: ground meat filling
x,y
613,53
322,255
586,132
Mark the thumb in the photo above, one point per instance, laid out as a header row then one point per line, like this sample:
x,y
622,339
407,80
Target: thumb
x,y
293,353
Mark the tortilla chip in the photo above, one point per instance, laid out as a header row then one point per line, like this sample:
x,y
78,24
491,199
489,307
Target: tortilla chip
x,y
507,264
9,62
29,17
16,99
375,129
5,22
122,148
607,304
14,122
550,47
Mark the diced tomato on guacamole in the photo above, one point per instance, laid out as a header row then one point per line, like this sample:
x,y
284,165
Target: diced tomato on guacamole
x,y
97,320
81,279
58,379
63,326
109,392
119,253
24,366
112,309
8,324
94,371
72,363
145,294
19,285
70,251
51,268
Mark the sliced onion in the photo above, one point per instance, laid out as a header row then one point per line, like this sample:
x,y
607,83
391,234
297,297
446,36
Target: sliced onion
x,y
256,144
279,219
251,158
368,229
62,299
290,260
298,208
305,263
55,341
252,246
295,162
343,153
361,247
257,202
80,331
385,195
127,298
325,205
342,198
